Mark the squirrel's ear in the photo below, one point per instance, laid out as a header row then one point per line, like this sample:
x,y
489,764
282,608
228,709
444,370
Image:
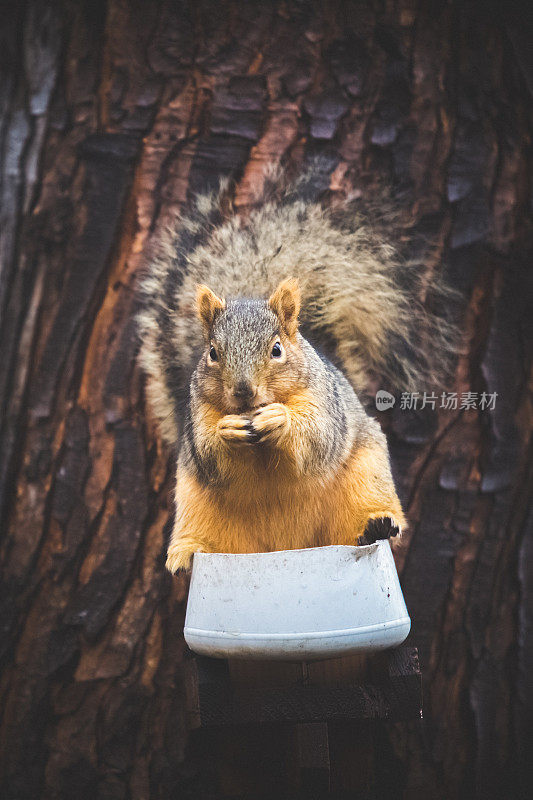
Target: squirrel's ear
x,y
208,306
285,303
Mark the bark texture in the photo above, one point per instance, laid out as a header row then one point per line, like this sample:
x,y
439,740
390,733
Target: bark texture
x,y
111,114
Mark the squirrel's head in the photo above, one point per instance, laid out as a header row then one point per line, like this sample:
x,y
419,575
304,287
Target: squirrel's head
x,y
252,354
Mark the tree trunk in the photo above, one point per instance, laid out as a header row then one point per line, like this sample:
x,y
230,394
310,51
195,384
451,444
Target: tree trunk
x,y
111,114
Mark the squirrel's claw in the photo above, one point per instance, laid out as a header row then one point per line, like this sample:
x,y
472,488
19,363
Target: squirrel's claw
x,y
179,560
379,528
253,436
271,422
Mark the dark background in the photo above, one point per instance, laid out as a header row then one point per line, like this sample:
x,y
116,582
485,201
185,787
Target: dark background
x,y
111,113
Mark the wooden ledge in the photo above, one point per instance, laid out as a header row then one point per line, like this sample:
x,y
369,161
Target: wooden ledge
x,y
385,686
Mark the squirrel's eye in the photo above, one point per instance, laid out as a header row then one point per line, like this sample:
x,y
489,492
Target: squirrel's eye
x,y
213,355
276,350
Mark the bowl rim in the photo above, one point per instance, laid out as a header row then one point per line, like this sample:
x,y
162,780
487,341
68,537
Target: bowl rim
x,y
362,548
360,630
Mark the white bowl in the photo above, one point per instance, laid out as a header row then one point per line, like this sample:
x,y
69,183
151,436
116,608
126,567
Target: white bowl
x,y
322,602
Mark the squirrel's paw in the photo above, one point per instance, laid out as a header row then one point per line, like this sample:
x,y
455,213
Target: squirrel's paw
x,y
235,429
379,527
180,558
271,422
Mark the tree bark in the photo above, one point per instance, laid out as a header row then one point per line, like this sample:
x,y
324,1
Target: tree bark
x,y
111,115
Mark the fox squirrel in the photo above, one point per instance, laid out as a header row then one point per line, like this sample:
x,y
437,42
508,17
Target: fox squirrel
x,y
276,450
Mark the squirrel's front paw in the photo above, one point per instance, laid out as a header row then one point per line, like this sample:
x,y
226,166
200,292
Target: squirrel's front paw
x,y
271,422
235,429
180,558
380,527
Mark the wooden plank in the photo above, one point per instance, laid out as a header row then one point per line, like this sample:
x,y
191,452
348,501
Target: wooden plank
x,y
246,676
338,671
204,677
405,679
353,755
312,758
396,696
250,761
295,704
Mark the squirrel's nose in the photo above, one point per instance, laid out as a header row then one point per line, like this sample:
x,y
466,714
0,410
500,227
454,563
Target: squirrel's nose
x,y
244,390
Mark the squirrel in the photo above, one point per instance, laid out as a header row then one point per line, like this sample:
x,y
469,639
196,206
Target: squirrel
x,y
274,447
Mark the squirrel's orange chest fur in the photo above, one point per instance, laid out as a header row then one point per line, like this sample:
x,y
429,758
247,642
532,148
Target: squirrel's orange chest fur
x,y
263,507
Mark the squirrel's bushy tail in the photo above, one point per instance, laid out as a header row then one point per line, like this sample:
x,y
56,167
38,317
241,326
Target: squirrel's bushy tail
x,y
361,299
